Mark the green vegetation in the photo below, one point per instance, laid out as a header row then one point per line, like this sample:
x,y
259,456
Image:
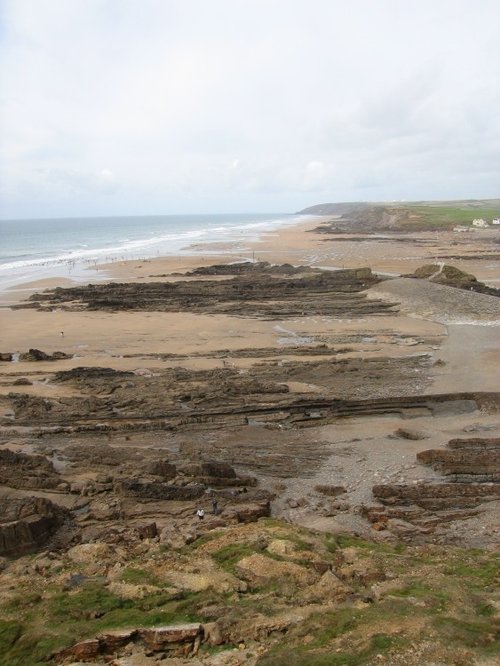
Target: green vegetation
x,y
228,556
417,592
472,634
139,577
437,217
478,573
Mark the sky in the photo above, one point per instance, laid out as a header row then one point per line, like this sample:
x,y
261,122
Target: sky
x,y
130,107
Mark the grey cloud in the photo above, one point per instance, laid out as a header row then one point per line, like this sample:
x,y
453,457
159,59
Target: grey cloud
x,y
326,99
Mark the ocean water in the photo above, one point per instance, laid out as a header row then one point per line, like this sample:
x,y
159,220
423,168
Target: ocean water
x,y
35,249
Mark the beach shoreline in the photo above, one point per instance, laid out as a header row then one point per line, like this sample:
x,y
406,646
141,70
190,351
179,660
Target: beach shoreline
x,y
249,365
80,262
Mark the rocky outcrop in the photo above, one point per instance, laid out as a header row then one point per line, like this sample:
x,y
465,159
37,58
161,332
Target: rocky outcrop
x,y
437,496
27,524
466,460
249,267
85,374
158,491
181,640
19,470
453,277
471,468
38,355
253,293
161,468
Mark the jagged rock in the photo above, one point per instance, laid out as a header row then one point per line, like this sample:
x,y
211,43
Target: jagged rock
x,y
85,374
258,294
159,491
6,357
147,531
38,355
105,509
213,634
162,468
20,470
28,523
113,641
176,639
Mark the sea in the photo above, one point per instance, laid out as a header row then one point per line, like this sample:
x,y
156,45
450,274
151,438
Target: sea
x,y
72,247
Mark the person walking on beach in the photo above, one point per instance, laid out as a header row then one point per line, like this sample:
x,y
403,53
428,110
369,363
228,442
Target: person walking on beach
x,y
201,514
215,508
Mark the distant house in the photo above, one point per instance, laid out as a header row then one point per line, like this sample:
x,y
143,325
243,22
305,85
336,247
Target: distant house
x,y
479,222
496,220
460,228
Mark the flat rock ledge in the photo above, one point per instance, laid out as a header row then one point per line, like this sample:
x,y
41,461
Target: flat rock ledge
x,y
179,640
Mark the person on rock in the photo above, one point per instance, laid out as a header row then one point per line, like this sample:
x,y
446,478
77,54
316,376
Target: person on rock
x,y
215,508
201,514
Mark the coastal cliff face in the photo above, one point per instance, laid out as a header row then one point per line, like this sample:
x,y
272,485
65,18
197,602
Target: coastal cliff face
x,y
340,492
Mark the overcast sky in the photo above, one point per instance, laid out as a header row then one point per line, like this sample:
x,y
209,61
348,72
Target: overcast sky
x,y
191,106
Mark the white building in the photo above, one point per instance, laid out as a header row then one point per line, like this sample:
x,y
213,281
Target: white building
x,y
479,222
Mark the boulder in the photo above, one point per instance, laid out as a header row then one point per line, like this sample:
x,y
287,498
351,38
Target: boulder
x,y
28,523
38,355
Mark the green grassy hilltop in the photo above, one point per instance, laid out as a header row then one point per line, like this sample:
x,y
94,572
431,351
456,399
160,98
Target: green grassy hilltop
x,y
283,594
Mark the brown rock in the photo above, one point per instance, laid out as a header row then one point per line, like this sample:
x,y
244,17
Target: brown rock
x,y
38,355
83,651
411,433
112,641
331,491
149,531
28,523
161,638
217,469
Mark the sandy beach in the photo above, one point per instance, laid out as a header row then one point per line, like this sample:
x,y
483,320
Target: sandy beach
x,y
328,402
106,337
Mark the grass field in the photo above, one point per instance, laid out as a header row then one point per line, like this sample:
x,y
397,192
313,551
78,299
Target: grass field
x,y
432,216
